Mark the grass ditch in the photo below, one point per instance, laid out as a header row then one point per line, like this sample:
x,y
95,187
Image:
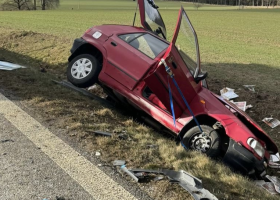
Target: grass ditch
x,y
80,116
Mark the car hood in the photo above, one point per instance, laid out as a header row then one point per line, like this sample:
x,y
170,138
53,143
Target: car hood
x,y
247,121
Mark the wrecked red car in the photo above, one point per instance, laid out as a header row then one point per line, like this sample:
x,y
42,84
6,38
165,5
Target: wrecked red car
x,y
139,67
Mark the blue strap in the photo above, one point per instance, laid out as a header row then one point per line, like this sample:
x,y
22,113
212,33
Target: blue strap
x,y
189,108
171,101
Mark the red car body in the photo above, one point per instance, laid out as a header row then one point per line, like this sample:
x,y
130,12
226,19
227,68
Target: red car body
x,y
127,71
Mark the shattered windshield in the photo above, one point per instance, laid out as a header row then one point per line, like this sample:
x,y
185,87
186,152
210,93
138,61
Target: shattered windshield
x,y
187,45
153,19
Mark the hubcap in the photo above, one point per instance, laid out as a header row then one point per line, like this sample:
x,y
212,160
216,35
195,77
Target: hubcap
x,y
201,142
81,68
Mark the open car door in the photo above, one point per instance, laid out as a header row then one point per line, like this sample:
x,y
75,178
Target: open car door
x,y
151,18
182,57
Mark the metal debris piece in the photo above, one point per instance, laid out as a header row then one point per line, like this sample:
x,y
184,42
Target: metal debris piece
x,y
190,183
9,66
7,140
103,133
124,169
118,162
250,87
271,122
276,182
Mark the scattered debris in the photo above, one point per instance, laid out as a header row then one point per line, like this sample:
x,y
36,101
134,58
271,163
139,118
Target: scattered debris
x,y
92,87
152,146
250,87
84,92
274,165
118,162
9,66
275,158
190,183
7,140
228,93
158,178
97,153
276,182
271,122
248,107
268,186
99,165
124,169
121,136
241,105
103,133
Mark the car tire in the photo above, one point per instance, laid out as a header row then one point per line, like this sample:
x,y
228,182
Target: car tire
x,y
209,144
83,70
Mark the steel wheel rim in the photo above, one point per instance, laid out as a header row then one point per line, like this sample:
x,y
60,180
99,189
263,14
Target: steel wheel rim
x,y
81,68
200,142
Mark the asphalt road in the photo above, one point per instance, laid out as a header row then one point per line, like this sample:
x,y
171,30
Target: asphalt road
x,y
36,164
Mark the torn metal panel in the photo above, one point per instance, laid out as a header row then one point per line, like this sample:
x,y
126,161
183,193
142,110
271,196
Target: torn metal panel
x,y
9,66
190,183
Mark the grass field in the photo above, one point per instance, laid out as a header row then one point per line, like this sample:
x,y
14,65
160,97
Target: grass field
x,y
237,47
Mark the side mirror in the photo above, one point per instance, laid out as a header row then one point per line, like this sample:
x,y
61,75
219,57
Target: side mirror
x,y
200,77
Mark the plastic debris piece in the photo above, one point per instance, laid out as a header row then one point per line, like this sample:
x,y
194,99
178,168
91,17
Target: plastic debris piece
x,y
228,93
273,165
268,186
248,107
271,122
99,165
124,169
241,105
276,182
9,66
158,178
118,162
97,153
190,183
250,87
275,158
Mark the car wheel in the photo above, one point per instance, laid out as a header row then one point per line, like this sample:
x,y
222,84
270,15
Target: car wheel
x,y
208,143
83,70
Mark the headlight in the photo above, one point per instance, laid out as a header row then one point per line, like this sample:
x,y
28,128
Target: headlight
x,y
258,148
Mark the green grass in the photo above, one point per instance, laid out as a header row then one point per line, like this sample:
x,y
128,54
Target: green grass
x,y
237,47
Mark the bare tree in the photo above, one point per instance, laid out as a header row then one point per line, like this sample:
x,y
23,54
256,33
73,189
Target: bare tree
x,y
49,4
16,5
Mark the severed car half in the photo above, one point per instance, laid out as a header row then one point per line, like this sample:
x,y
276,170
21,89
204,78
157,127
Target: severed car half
x,y
164,82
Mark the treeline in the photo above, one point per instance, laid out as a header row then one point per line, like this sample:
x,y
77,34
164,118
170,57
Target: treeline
x,y
29,4
268,3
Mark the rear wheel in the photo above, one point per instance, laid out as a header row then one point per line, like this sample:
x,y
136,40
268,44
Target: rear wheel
x,y
83,70
208,142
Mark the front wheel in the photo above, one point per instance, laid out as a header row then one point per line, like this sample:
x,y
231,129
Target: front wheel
x,y
208,143
83,70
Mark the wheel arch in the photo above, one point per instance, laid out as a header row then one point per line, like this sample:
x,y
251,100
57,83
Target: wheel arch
x,y
202,120
87,48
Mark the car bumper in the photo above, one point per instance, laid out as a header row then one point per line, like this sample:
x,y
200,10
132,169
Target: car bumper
x,y
242,160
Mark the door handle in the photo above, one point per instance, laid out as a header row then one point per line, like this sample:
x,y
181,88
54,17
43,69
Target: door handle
x,y
114,44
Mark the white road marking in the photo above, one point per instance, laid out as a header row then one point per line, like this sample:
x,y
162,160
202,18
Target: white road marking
x,y
92,179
